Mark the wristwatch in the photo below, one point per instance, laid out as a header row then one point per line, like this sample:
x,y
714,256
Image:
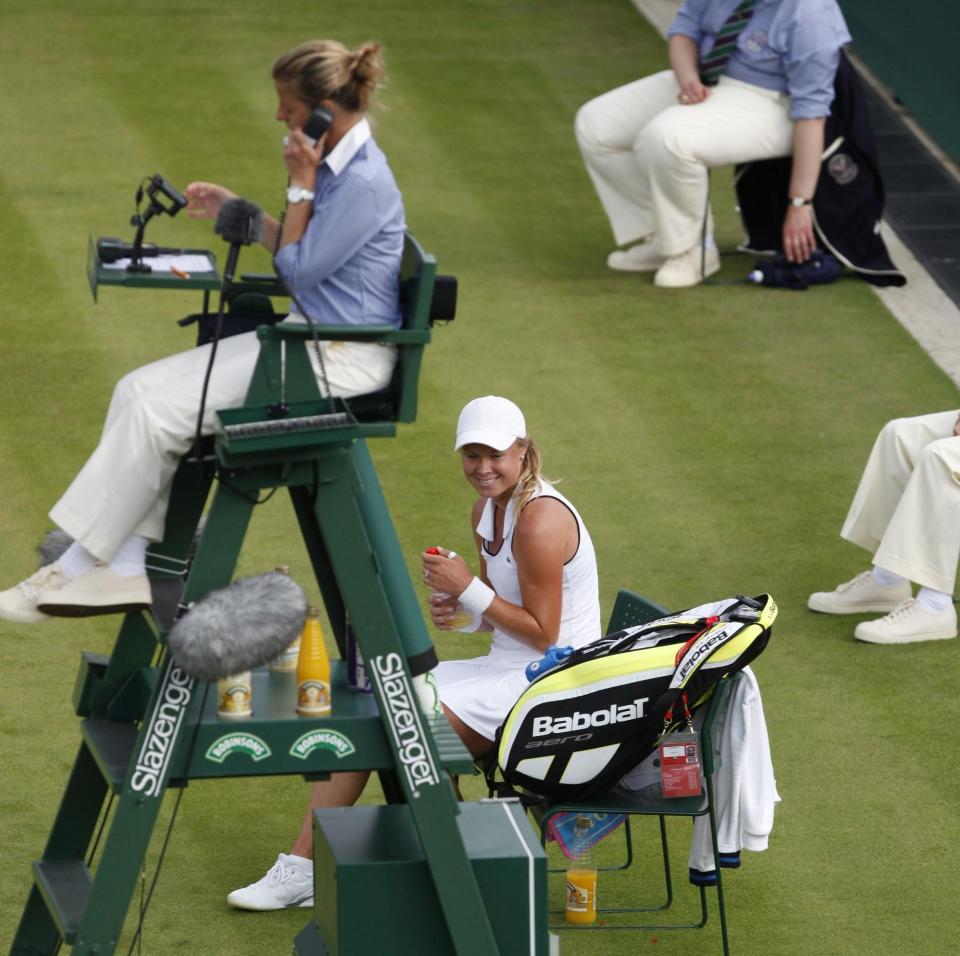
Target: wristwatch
x,y
297,194
800,201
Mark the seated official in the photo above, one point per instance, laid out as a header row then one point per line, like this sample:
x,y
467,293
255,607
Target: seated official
x,y
339,249
849,200
729,97
906,513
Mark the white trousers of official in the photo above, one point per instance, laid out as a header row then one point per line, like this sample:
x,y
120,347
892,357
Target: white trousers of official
x,y
906,510
124,486
648,155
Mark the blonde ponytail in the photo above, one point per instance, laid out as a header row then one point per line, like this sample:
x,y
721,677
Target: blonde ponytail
x,y
530,476
326,70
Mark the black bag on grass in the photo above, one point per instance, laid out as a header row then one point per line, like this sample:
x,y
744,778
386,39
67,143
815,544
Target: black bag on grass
x,y
579,727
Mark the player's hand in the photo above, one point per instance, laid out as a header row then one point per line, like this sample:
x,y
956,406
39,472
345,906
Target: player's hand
x,y
446,571
442,611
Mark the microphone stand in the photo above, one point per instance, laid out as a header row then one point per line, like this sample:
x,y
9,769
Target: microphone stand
x,y
136,254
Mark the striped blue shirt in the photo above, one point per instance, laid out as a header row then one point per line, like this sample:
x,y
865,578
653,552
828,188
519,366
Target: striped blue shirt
x,y
792,46
345,269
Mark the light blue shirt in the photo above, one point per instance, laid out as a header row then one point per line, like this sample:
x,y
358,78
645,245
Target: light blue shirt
x,y
345,269
792,46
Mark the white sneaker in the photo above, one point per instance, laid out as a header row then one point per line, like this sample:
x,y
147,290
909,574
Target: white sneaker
x,y
287,884
19,603
643,257
860,595
99,591
908,623
681,271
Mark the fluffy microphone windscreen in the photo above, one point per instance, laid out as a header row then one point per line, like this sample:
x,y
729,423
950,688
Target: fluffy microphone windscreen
x,y
239,627
53,545
239,220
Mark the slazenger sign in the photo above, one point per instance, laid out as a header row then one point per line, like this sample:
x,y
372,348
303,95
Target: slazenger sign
x,y
161,733
404,720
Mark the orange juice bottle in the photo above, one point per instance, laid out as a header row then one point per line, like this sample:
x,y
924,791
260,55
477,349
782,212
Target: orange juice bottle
x,y
313,669
581,901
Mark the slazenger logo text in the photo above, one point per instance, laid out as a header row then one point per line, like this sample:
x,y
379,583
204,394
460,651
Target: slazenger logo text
x,y
614,714
405,722
161,732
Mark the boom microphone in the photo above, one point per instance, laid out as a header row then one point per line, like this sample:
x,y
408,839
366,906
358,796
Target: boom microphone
x,y
240,222
52,547
239,627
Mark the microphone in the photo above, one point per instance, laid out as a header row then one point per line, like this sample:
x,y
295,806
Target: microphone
x,y
110,250
240,222
239,627
54,544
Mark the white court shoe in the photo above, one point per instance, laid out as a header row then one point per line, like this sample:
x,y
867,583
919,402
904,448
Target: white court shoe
x,y
681,271
98,591
19,603
909,623
286,885
860,595
643,257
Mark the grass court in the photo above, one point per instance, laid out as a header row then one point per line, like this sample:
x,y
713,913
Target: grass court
x,y
710,437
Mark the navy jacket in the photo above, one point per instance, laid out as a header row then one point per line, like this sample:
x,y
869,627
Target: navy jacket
x,y
848,203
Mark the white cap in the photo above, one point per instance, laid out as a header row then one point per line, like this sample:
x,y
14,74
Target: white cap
x,y
492,421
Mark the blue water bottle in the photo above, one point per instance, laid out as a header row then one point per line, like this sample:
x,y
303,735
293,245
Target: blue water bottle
x,y
554,656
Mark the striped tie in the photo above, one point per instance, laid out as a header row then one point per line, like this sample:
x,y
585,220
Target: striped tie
x,y
726,43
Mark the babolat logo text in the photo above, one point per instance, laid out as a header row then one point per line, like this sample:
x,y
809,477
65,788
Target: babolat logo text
x,y
161,732
405,723
703,647
614,714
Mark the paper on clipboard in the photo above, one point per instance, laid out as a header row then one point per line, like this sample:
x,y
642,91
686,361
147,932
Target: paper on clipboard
x,y
182,263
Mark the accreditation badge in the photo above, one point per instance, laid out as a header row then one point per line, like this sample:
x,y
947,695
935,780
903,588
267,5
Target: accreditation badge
x,y
680,765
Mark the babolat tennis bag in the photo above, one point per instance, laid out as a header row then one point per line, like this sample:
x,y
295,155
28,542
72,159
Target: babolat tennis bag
x,y
579,727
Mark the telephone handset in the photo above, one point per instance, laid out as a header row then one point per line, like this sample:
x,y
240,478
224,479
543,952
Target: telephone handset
x,y
317,124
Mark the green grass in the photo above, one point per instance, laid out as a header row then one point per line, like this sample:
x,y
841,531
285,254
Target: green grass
x,y
711,437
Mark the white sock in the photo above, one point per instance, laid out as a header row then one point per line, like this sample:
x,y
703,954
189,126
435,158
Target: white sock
x,y
76,560
885,578
936,602
130,559
301,862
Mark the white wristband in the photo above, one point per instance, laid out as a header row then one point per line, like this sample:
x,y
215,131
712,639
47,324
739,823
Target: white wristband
x,y
477,597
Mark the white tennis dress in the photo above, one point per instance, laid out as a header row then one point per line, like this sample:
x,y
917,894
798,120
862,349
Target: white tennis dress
x,y
480,691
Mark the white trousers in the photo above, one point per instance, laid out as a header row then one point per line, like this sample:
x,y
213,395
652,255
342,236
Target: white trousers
x,y
648,156
124,486
906,510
